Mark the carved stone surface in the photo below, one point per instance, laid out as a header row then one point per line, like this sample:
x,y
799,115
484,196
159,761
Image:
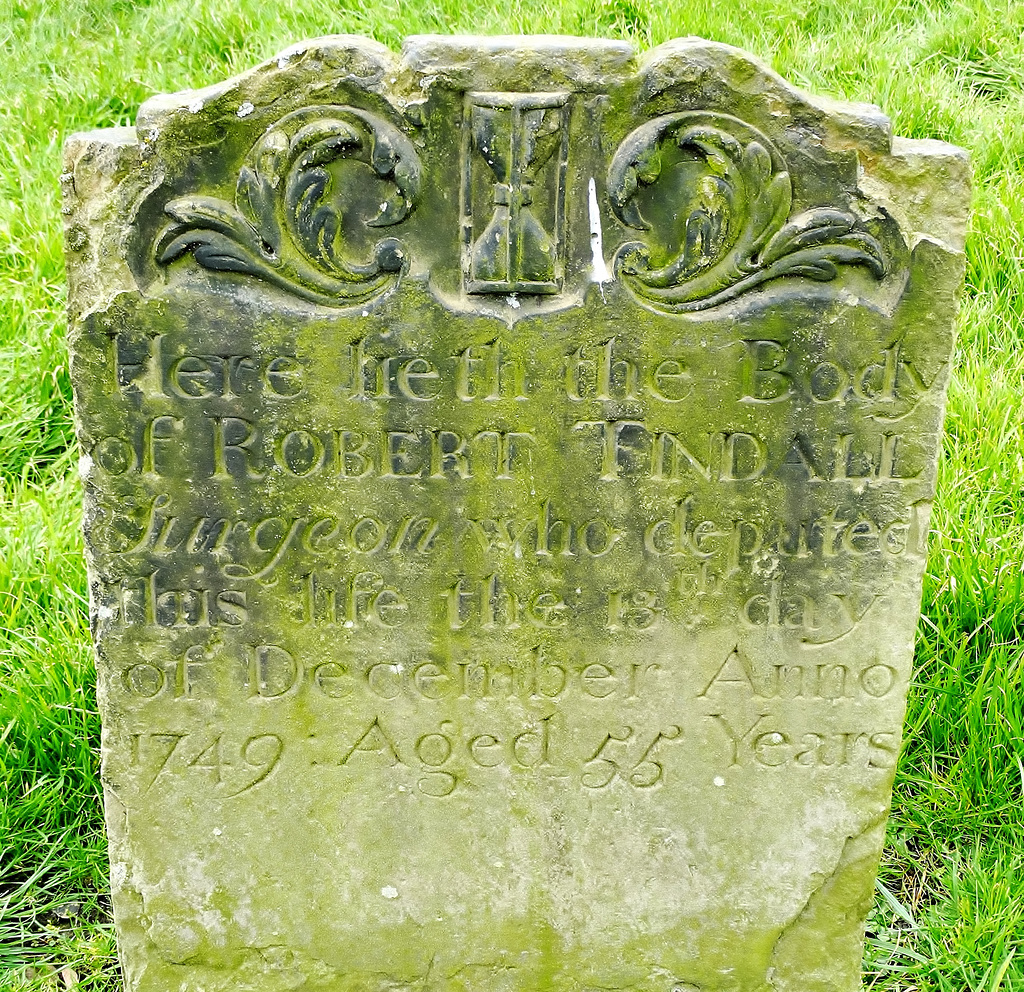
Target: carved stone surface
x,y
508,469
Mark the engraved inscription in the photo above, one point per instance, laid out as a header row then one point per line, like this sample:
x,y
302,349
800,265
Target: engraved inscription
x,y
630,448
230,766
767,746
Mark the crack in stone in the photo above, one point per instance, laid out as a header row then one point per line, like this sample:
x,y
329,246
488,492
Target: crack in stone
x,y
845,859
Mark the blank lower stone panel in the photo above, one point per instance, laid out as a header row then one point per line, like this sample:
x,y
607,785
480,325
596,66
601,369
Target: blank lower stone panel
x,y
508,468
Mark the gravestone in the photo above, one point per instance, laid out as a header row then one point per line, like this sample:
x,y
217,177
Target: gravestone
x,y
508,469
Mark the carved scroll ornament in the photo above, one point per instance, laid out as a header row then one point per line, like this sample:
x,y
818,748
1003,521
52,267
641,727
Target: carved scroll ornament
x,y
285,226
730,217
738,233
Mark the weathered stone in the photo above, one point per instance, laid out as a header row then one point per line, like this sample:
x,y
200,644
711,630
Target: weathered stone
x,y
508,470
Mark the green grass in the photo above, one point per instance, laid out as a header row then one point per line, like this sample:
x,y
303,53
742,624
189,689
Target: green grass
x,y
950,909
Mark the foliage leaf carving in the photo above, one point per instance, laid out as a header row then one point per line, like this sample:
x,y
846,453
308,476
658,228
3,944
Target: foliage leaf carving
x,y
738,232
286,224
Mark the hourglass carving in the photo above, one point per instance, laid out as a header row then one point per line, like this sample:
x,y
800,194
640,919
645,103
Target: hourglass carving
x,y
514,160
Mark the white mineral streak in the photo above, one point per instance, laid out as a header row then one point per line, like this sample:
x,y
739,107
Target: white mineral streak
x,y
599,271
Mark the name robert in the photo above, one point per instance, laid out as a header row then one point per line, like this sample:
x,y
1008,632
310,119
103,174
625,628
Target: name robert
x,y
242,449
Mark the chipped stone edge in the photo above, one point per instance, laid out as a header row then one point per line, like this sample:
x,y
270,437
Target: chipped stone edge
x,y
335,57
103,174
473,61
691,59
926,185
